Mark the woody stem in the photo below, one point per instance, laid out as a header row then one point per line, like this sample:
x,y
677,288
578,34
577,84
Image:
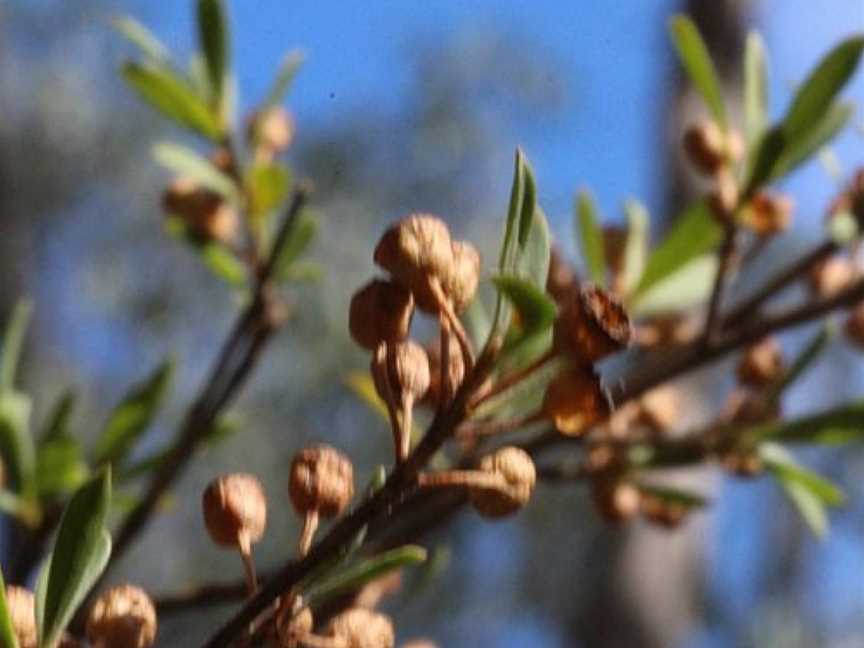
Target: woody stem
x,y
245,546
310,526
463,478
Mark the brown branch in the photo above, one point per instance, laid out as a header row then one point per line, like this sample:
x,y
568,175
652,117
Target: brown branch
x,y
725,259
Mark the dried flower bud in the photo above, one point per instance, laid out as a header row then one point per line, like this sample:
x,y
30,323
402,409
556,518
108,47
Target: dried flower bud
x,y
380,311
591,325
710,149
204,212
769,213
460,284
761,364
22,612
516,470
322,480
854,327
408,370
414,249
455,371
831,276
361,628
235,510
723,198
662,512
660,408
122,617
614,499
561,279
272,129
575,401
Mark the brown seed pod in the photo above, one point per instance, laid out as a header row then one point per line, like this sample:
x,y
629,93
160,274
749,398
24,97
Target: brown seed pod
x,y
272,130
575,401
615,500
710,149
414,249
235,510
515,470
22,613
591,325
854,327
769,213
122,617
761,363
380,311
203,212
831,276
322,480
361,628
460,284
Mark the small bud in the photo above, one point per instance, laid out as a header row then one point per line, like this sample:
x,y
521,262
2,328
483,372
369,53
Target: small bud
x,y
575,401
122,617
614,499
854,327
380,311
414,249
322,480
768,213
203,212
830,276
660,408
516,470
761,364
361,628
235,510
272,130
723,198
561,279
591,325
22,613
710,149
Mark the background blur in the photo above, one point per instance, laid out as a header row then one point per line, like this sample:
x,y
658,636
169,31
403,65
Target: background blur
x,y
405,106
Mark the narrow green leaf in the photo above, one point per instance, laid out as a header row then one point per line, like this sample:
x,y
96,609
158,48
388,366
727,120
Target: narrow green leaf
x,y
763,160
677,496
835,426
817,93
697,62
80,555
16,443
529,205
353,577
141,37
536,310
7,631
533,261
755,88
171,95
134,414
284,78
801,147
636,246
224,264
213,38
185,162
684,288
510,243
695,233
268,186
13,341
299,239
590,236
57,424
60,468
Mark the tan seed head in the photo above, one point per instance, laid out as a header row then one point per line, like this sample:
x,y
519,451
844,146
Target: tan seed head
x,y
408,369
575,401
235,510
761,364
710,149
321,480
380,311
769,213
361,628
122,617
273,129
414,249
517,473
22,612
460,284
831,276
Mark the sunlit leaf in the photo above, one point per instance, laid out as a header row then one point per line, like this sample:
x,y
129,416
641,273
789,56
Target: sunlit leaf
x,y
213,38
141,37
535,309
13,341
57,424
697,62
534,253
284,78
183,161
60,468
835,426
590,236
7,631
755,88
800,149
16,442
224,264
268,186
636,245
684,288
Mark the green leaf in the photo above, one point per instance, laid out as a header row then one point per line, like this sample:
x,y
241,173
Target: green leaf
x,y
268,186
698,64
536,310
686,287
131,418
80,555
803,361
695,233
534,254
675,496
755,88
299,238
7,631
222,263
16,443
835,426
809,492
213,38
636,246
355,576
60,468
590,236
185,162
798,149
13,341
815,96
172,95
763,160
57,424
142,38
284,78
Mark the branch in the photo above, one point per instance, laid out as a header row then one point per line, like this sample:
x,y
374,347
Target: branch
x,y
725,257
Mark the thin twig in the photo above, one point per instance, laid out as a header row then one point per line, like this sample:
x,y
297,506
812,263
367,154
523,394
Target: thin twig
x,y
725,259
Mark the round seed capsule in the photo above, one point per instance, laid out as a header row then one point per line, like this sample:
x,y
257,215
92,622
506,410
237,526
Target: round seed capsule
x,y
122,617
591,325
460,284
22,612
831,276
516,470
322,480
415,248
361,628
235,510
380,311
